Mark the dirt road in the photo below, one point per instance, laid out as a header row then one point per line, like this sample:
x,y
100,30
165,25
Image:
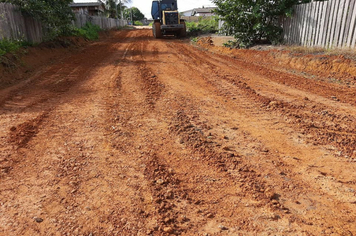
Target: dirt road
x,y
138,136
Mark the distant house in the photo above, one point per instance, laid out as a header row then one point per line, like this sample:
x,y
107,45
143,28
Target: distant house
x,y
204,11
89,8
186,13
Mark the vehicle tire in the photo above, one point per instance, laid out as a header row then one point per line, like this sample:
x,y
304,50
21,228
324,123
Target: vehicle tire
x,y
183,32
156,28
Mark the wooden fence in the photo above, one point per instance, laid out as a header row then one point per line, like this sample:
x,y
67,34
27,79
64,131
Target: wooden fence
x,y
16,26
327,24
102,22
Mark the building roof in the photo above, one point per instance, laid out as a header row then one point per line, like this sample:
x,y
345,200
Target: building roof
x,y
203,10
187,11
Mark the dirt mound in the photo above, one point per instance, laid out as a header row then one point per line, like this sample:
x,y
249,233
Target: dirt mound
x,y
15,67
334,68
23,133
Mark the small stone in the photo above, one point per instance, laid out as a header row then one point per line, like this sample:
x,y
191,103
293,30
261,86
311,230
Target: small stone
x,y
160,181
221,227
168,230
274,201
210,215
269,193
265,150
273,104
334,98
38,219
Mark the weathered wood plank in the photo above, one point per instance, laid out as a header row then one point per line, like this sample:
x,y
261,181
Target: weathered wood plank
x,y
304,15
315,19
298,27
333,22
317,24
294,27
343,30
322,30
350,42
348,22
339,18
353,42
310,25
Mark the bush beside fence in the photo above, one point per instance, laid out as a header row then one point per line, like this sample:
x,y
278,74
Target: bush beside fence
x,y
15,26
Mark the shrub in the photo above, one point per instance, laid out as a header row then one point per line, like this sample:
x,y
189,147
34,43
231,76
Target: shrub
x,y
10,46
255,21
56,15
138,23
207,25
88,31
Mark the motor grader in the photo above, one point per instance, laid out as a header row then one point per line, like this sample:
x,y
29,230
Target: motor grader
x,y
166,19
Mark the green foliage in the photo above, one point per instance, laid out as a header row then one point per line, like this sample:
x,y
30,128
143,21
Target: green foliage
x,y
231,44
88,31
253,21
205,25
114,7
133,12
8,46
56,15
11,46
194,40
138,23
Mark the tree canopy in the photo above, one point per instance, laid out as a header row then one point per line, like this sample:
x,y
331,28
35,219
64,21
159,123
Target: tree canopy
x,y
114,7
56,15
252,21
135,13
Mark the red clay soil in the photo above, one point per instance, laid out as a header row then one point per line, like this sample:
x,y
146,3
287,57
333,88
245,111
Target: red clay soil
x,y
140,136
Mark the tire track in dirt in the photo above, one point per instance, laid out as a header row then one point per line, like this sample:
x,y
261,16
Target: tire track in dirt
x,y
247,88
334,128
175,220
35,98
220,164
163,139
315,119
282,76
79,178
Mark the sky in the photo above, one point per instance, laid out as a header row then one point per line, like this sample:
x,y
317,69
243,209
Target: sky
x,y
145,5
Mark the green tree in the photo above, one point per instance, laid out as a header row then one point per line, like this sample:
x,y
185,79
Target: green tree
x,y
133,12
252,21
56,15
114,7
